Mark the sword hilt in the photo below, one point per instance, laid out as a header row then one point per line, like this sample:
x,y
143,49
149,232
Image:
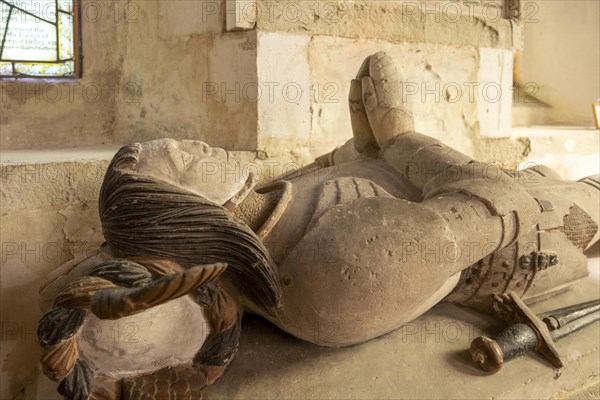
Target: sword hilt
x,y
490,354
526,332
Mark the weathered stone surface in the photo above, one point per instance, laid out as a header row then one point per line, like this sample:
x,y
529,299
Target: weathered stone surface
x,y
48,216
453,98
33,244
463,24
200,89
495,92
28,186
285,104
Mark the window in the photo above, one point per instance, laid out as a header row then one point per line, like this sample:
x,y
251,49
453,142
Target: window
x,y
40,38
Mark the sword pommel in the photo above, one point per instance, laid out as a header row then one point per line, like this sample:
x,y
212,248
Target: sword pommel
x,y
490,354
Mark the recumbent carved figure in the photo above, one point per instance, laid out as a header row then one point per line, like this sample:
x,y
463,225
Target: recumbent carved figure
x,y
367,238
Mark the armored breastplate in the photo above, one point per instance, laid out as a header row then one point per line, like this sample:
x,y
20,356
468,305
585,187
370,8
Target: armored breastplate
x,y
344,190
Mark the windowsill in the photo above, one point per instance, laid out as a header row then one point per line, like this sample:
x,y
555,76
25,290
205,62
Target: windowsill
x,y
551,130
571,151
38,79
101,152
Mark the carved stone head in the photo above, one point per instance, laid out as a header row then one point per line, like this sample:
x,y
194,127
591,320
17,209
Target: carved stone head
x,y
158,200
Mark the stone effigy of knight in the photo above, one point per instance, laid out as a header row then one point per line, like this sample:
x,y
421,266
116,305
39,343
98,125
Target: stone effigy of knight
x,y
349,248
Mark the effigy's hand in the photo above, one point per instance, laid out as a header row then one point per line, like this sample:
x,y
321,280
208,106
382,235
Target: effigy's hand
x,y
378,110
364,139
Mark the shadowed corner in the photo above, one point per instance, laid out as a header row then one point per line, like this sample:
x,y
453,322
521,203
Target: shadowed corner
x,y
265,352
594,251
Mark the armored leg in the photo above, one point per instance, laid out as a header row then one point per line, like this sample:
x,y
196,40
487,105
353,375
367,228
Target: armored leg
x,y
549,257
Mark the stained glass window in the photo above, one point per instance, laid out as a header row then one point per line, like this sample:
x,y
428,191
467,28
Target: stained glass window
x,y
39,38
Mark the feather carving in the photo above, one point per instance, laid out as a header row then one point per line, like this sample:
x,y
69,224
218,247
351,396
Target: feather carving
x,y
114,303
59,359
79,293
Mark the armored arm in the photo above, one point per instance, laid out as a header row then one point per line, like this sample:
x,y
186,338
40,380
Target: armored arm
x,y
442,173
449,180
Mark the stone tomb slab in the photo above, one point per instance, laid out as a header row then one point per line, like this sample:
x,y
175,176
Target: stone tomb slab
x,y
426,359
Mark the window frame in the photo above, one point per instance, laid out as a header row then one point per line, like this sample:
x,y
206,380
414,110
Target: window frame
x,y
77,52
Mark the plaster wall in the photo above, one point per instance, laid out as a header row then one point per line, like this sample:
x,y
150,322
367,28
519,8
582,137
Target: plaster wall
x,y
46,113
177,55
48,217
163,68
145,67
561,57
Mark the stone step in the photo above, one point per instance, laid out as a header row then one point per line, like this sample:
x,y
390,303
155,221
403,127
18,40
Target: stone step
x,y
573,152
